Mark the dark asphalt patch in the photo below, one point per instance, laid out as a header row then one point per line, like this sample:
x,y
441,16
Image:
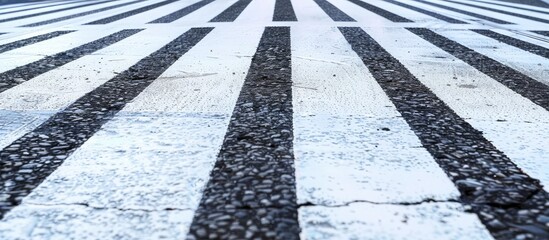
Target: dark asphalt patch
x,y
527,87
381,12
464,12
333,12
24,73
28,41
130,13
182,12
31,158
526,46
232,12
80,14
34,8
503,12
426,12
251,192
284,11
52,11
500,194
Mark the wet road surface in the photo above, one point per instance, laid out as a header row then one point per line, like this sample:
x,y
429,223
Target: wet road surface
x,y
274,119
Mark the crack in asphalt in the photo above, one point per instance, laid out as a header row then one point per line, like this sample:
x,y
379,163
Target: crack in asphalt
x,y
110,208
347,204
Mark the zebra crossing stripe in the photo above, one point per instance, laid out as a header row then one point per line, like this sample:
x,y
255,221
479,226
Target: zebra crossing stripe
x,y
468,159
52,11
130,13
251,192
28,9
284,11
232,12
333,12
31,158
529,88
183,12
24,42
24,73
79,14
514,6
381,12
426,12
464,12
502,11
526,46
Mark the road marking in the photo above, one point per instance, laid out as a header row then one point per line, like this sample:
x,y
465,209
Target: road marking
x,y
24,73
529,88
52,11
468,159
59,19
232,12
130,13
23,161
334,12
491,9
427,12
27,41
182,12
253,177
491,19
381,12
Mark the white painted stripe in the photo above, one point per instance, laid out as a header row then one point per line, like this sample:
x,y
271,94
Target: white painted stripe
x,y
204,14
257,12
31,103
441,221
405,12
24,13
442,11
40,18
477,98
343,155
504,17
308,12
532,65
153,14
361,15
25,55
20,7
182,118
510,4
508,9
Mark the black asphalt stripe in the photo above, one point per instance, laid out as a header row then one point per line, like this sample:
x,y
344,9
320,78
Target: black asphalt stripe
x,y
284,11
429,13
334,12
80,14
232,12
465,12
521,8
506,200
503,12
131,13
182,12
24,73
526,46
24,42
251,192
381,12
40,7
544,33
30,159
52,11
527,87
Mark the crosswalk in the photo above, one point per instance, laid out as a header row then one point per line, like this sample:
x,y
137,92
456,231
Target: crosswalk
x,y
274,119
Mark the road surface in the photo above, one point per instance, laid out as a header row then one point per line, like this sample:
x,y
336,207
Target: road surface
x,y
274,119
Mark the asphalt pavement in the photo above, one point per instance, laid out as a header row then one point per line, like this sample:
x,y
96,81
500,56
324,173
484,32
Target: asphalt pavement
x,y
274,119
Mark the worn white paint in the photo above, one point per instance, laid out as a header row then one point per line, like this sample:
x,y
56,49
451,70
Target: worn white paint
x,y
477,98
180,132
